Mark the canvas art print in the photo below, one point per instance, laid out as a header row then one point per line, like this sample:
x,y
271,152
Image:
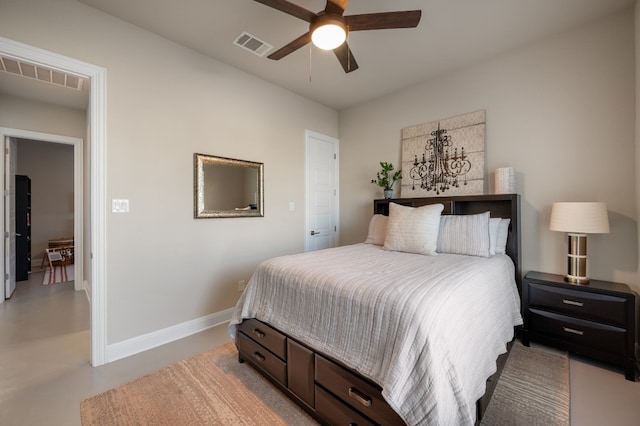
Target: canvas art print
x,y
444,157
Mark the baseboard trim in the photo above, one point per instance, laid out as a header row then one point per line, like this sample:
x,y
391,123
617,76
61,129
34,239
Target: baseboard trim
x,y
157,338
87,290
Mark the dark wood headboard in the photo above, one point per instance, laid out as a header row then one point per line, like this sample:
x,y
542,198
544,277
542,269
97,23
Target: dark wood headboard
x,y
506,206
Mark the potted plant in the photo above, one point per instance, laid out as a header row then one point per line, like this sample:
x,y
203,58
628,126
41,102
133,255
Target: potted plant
x,y
386,178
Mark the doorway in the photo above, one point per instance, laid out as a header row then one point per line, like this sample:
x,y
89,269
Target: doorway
x,y
322,182
94,250
55,162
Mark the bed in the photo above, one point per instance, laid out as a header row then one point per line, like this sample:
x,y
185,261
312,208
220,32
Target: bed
x,y
389,331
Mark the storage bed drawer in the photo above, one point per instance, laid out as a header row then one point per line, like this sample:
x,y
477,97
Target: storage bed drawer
x,y
335,412
358,393
262,358
266,336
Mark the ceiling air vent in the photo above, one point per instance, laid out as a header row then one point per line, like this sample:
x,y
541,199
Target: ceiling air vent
x,y
37,72
252,43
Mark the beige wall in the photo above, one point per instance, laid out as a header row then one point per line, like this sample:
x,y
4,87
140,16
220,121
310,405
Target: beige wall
x,y
24,114
561,111
565,101
164,103
637,108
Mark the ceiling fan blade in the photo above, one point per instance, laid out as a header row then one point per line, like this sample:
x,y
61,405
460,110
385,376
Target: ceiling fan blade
x,y
291,47
290,8
336,7
345,57
384,20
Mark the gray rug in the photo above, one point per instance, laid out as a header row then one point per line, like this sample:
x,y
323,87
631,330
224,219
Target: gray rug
x,y
212,388
533,389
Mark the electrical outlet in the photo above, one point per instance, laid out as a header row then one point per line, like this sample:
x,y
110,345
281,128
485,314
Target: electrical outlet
x,y
241,285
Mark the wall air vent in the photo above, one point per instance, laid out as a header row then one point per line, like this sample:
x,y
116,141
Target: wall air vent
x,y
37,72
252,43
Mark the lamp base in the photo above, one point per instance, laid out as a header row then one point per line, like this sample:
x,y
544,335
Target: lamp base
x,y
577,259
576,280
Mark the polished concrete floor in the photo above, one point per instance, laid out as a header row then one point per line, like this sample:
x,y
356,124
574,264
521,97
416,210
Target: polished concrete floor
x,y
45,371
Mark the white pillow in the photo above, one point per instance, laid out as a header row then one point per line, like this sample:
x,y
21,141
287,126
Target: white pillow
x,y
413,229
503,233
465,234
494,223
377,230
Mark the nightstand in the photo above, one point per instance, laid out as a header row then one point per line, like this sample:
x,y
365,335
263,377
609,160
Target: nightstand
x,y
598,320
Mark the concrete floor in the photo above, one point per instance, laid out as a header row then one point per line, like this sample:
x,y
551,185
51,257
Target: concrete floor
x,y
45,371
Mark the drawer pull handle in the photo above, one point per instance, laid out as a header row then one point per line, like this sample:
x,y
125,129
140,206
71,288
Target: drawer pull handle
x,y
258,356
572,302
258,333
360,397
573,330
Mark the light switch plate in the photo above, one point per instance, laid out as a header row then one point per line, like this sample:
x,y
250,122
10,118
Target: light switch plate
x,y
119,206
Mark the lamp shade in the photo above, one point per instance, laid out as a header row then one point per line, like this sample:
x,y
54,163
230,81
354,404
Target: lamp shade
x,y
580,217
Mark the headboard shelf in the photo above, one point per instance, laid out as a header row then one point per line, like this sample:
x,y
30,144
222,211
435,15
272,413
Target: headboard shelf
x,y
505,206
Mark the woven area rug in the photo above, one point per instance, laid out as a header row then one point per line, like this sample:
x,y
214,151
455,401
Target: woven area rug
x,y
533,389
59,274
212,388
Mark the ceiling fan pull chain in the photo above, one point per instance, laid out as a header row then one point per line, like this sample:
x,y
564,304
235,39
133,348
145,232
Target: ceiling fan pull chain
x,y
348,51
310,49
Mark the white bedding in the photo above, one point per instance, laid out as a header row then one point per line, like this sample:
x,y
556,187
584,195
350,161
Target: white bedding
x,y
427,329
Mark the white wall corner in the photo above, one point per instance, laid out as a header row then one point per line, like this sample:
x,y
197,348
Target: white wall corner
x,y
157,338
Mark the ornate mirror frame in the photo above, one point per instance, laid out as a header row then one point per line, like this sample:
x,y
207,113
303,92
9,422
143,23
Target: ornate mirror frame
x,y
202,163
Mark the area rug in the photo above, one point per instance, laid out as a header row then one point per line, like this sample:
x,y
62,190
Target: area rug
x,y
533,389
213,388
59,274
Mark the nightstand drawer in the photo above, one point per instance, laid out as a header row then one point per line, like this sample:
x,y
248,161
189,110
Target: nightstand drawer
x,y
591,306
266,336
579,332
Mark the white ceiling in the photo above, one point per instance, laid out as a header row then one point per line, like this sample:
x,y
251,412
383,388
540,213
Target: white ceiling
x,y
451,34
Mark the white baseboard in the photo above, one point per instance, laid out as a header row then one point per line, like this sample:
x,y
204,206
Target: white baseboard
x,y
87,290
157,338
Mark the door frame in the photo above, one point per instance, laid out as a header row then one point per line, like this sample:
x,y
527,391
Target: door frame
x,y
308,135
96,144
78,191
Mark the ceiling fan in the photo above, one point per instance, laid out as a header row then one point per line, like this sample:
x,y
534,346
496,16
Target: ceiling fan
x,y
328,29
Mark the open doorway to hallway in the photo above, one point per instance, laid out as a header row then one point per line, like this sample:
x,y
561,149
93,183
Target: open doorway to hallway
x,y
48,170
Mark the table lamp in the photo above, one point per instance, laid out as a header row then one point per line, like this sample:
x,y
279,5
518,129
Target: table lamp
x,y
579,219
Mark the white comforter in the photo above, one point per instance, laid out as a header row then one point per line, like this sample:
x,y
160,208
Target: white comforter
x,y
427,329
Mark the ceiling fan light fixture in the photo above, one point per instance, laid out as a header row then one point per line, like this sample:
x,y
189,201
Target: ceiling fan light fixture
x,y
328,32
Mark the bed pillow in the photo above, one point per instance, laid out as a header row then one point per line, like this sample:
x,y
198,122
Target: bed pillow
x,y
503,233
377,230
465,234
413,229
494,223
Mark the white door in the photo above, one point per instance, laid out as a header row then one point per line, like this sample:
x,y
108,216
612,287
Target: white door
x,y
321,192
11,162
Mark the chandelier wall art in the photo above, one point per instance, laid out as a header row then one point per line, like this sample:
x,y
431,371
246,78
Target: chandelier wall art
x,y
444,157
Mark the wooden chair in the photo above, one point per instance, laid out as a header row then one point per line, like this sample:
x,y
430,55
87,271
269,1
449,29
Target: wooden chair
x,y
58,256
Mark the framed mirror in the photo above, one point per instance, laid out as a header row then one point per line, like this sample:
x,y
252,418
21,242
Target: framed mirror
x,y
225,187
